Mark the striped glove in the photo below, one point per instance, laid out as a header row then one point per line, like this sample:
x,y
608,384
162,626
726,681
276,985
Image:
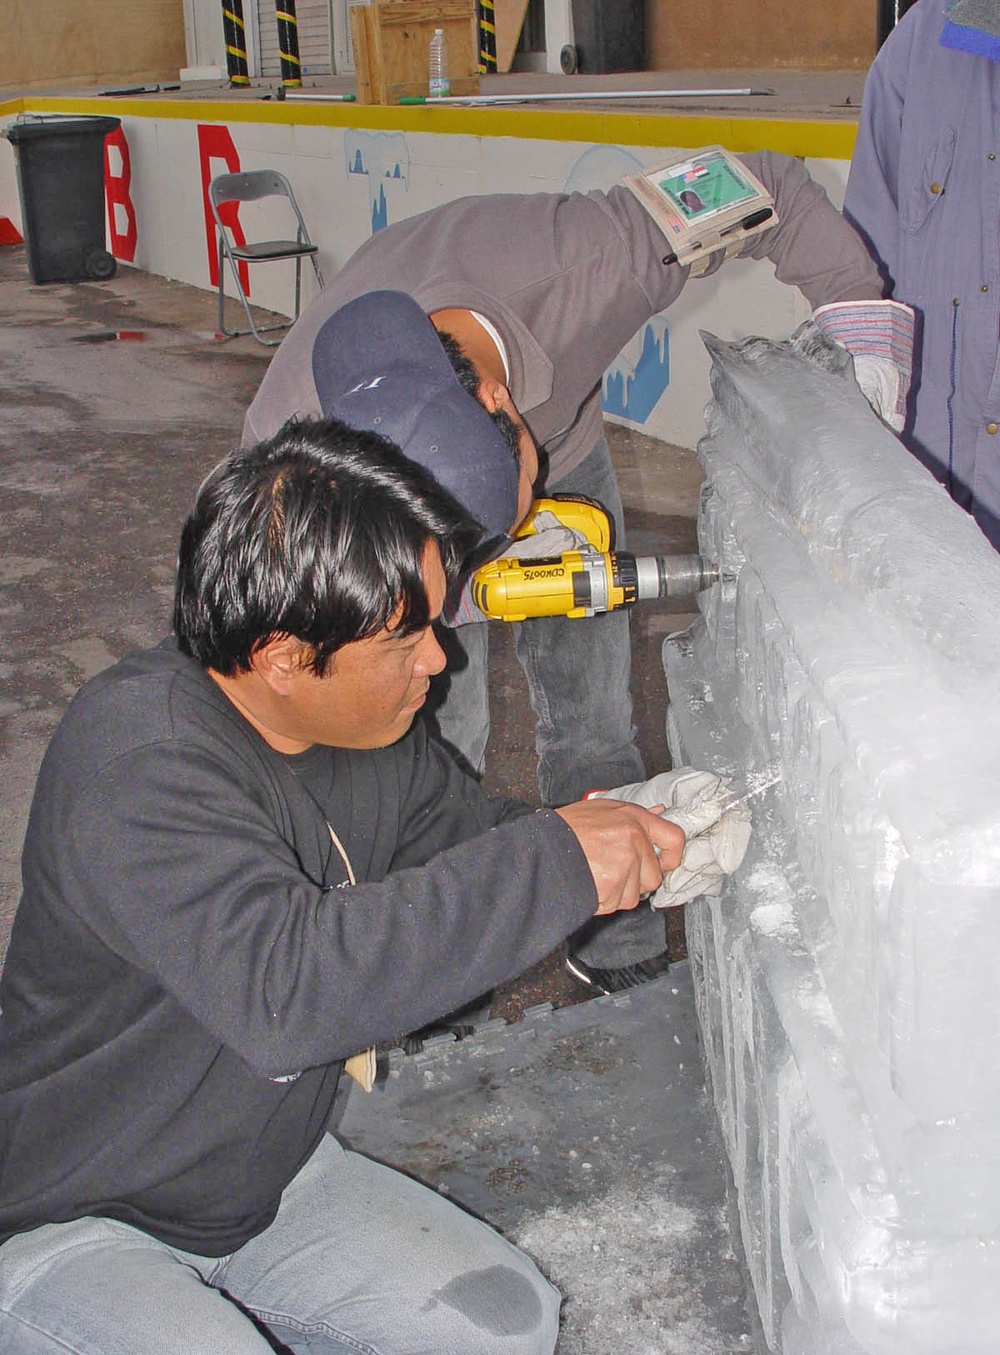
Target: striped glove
x,y
879,336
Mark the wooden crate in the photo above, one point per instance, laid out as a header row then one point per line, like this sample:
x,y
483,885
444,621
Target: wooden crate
x,y
392,47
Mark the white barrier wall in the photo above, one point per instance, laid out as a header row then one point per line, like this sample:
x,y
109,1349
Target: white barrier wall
x,y
352,180
847,980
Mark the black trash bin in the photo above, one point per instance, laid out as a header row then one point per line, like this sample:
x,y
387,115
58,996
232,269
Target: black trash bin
x,y
60,178
608,35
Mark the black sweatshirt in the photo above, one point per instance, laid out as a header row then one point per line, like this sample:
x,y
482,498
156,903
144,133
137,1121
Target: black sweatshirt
x,y
188,965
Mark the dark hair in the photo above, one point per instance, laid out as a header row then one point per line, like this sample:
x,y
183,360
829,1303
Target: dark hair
x,y
469,380
318,533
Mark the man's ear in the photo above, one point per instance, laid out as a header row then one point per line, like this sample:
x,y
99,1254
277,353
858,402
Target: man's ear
x,y
278,660
493,394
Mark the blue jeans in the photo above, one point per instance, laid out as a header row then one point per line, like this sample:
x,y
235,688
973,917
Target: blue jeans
x,y
358,1259
578,679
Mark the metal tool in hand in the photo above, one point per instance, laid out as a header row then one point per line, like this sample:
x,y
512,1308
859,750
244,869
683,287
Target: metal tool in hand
x,y
742,797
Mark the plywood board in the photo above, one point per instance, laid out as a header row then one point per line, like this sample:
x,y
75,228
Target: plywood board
x,y
364,46
509,16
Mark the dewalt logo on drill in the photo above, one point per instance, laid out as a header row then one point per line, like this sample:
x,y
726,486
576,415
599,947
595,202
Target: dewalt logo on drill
x,y
548,571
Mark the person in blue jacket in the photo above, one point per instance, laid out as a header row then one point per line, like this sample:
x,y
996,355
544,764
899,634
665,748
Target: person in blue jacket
x,y
924,192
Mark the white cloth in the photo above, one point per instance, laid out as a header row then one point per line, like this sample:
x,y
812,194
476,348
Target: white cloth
x,y
549,539
717,838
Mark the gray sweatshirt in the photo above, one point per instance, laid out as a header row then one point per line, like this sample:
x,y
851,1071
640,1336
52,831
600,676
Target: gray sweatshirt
x,y
567,279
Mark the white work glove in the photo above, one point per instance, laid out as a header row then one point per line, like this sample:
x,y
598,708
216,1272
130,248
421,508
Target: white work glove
x,y
716,840
879,337
550,538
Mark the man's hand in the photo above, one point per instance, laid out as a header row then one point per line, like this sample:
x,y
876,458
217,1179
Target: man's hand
x,y
627,848
716,836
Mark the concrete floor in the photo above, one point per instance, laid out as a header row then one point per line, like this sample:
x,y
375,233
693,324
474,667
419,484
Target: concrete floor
x,y
117,400
584,1134
103,441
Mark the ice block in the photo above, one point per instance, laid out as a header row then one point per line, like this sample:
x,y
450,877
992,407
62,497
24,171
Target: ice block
x,y
846,979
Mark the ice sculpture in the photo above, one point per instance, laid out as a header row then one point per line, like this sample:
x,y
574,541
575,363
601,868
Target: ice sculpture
x,y
849,979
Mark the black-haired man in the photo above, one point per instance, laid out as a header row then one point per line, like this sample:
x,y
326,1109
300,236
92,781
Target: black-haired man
x,y
246,861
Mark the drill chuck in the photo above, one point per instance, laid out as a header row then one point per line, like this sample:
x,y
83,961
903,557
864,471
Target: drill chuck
x,y
673,576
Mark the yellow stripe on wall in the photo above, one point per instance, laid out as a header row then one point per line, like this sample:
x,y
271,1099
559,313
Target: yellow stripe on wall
x,y
811,138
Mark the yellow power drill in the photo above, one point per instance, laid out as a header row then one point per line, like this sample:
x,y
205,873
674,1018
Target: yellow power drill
x,y
595,578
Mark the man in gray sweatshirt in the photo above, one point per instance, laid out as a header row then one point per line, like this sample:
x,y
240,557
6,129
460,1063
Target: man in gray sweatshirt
x,y
541,292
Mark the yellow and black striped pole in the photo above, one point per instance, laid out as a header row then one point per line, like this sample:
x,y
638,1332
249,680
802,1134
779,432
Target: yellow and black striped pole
x,y
487,37
288,43
236,42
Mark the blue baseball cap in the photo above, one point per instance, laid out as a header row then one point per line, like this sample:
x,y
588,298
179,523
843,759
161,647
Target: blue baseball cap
x,y
378,364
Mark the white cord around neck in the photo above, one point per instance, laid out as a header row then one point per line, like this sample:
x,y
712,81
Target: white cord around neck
x,y
343,855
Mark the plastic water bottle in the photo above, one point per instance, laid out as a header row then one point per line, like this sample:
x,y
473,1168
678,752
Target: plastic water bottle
x,y
440,84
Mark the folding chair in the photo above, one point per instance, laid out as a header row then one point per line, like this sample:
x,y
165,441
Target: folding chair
x,y
251,186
